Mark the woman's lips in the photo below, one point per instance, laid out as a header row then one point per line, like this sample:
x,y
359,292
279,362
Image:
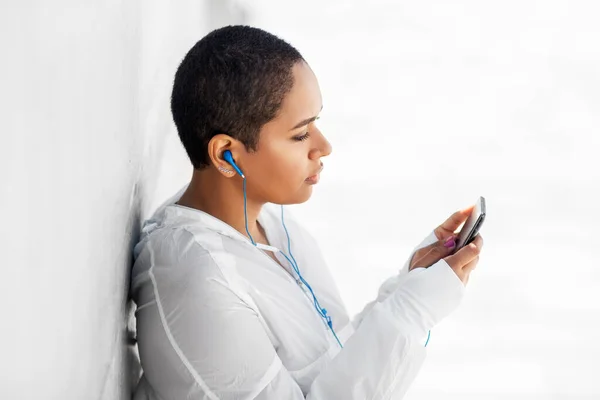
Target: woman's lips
x,y
314,178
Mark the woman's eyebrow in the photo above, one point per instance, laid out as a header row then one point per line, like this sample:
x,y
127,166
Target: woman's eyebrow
x,y
305,121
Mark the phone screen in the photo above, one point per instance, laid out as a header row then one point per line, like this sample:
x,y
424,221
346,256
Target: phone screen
x,y
472,225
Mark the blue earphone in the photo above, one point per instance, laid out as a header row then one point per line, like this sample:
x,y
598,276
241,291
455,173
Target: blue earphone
x,y
229,158
322,311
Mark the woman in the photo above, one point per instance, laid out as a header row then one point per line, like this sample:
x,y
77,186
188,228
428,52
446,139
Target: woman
x,y
234,298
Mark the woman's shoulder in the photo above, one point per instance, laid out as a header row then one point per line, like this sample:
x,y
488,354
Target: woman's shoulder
x,y
184,246
176,249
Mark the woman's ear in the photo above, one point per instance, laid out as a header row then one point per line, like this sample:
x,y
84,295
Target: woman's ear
x,y
222,151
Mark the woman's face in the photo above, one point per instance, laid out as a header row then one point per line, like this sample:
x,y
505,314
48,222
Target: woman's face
x,y
290,146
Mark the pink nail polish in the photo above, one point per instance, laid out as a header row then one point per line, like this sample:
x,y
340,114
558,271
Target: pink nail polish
x,y
449,244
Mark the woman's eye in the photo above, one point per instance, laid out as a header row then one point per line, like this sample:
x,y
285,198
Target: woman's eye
x,y
302,138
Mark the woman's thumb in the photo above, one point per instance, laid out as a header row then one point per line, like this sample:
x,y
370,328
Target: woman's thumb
x,y
449,242
437,251
445,247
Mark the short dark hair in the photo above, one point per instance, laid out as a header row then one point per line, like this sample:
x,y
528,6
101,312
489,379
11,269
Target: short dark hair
x,y
232,81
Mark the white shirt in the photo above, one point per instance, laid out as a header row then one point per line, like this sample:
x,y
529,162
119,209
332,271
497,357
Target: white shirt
x,y
217,318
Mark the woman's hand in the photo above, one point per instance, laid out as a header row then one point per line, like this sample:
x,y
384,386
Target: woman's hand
x,y
463,261
449,226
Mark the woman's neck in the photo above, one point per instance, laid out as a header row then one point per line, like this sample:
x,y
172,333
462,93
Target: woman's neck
x,y
222,198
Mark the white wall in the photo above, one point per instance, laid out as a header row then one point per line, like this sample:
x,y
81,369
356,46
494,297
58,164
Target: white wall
x,y
84,94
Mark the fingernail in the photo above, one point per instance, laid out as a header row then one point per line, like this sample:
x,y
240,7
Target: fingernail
x,y
450,243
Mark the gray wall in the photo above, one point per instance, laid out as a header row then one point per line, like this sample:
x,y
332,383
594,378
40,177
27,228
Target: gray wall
x,y
85,128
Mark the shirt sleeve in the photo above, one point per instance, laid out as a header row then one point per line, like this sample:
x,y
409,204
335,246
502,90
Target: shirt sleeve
x,y
393,282
199,340
385,353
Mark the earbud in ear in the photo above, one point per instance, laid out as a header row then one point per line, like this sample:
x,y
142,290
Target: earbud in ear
x,y
229,158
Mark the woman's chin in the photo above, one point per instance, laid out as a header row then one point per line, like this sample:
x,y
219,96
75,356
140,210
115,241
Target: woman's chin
x,y
306,195
301,196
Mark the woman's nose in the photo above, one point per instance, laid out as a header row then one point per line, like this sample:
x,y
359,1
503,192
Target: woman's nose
x,y
323,148
327,149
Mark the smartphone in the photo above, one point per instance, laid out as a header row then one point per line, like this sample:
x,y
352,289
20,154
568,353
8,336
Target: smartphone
x,y
472,225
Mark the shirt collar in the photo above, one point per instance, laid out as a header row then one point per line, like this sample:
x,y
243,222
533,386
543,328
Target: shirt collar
x,y
195,216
